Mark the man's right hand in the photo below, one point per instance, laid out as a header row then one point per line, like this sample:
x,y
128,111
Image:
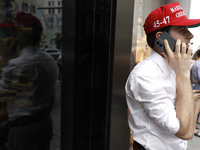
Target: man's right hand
x,y
179,61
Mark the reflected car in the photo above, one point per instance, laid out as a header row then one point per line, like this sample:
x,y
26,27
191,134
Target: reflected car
x,y
53,52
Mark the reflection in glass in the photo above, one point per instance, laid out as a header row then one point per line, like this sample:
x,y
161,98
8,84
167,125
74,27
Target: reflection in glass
x,y
30,76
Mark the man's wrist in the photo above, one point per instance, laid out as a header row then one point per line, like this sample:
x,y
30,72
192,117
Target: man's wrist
x,y
183,78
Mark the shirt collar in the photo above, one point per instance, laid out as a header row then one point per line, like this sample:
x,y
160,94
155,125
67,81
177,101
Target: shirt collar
x,y
29,49
161,62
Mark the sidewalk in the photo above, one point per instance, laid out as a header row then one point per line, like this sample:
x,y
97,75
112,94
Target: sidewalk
x,y
56,117
194,144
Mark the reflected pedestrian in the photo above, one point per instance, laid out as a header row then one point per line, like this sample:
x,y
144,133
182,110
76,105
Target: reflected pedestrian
x,y
28,87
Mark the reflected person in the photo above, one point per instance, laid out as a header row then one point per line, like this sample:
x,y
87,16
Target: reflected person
x,y
28,86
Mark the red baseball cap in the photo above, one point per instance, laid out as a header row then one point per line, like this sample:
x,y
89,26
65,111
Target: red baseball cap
x,y
166,15
23,19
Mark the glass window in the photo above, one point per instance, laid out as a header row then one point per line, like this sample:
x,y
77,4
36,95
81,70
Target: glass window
x,y
32,9
24,6
34,95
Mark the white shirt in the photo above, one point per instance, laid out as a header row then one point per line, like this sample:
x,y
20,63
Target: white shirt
x,y
28,83
150,95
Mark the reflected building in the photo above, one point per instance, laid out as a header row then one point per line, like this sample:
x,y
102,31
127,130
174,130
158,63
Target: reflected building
x,y
48,11
51,14
27,5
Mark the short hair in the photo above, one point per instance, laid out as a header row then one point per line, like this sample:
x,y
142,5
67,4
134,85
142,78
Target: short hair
x,y
197,53
151,37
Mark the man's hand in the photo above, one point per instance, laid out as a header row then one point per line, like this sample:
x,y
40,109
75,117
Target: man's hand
x,y
179,61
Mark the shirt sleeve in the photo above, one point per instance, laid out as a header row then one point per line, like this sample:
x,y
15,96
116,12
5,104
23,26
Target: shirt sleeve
x,y
20,77
198,71
157,98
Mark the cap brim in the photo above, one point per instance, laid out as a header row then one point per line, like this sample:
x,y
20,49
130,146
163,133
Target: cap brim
x,y
188,22
7,25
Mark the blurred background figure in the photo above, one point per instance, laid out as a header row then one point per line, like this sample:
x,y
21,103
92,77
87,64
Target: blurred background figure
x,y
195,71
28,88
195,80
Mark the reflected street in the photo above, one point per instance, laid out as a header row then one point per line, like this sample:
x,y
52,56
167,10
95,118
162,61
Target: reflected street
x,y
56,117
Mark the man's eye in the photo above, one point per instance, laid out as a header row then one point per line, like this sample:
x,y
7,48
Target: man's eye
x,y
184,30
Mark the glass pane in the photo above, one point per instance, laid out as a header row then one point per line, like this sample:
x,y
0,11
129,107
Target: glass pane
x,y
30,74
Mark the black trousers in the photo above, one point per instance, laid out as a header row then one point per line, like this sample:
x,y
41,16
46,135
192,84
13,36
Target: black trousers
x,y
137,146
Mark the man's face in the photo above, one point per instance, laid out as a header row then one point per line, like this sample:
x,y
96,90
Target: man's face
x,y
182,33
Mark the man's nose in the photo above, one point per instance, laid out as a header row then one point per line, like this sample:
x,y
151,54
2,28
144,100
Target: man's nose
x,y
190,35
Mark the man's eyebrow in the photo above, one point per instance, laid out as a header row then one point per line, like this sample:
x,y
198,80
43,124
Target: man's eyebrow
x,y
184,27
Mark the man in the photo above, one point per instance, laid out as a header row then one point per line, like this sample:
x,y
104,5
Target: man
x,y
158,90
28,88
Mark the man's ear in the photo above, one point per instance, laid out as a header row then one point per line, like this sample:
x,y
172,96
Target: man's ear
x,y
158,34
